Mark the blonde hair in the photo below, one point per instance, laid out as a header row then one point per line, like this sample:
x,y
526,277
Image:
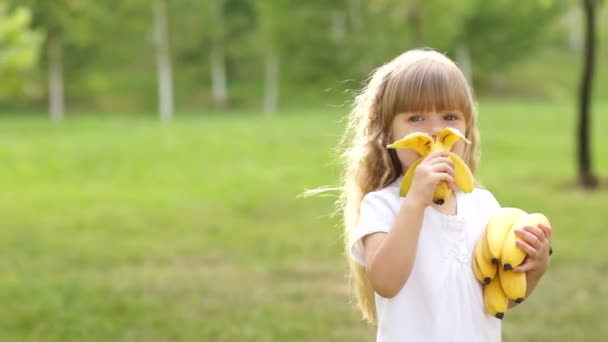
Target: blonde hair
x,y
417,80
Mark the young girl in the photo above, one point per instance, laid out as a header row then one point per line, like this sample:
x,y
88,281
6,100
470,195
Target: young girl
x,y
410,258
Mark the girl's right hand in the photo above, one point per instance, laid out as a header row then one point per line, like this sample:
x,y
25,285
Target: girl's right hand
x,y
434,168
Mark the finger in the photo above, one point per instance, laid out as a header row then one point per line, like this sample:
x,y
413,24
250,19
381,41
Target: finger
x,y
547,230
528,249
445,168
540,235
525,267
438,154
528,237
440,160
443,177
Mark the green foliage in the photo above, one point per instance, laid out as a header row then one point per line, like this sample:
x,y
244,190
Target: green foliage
x,y
109,59
19,50
499,35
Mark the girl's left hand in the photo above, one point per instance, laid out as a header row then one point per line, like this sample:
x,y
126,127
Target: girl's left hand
x,y
536,243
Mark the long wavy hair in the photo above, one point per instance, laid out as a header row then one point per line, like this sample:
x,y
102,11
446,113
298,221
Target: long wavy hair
x,y
417,80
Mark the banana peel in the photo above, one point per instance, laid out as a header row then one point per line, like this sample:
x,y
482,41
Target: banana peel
x,y
424,145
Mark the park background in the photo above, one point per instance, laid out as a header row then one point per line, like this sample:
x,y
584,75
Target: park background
x,y
153,154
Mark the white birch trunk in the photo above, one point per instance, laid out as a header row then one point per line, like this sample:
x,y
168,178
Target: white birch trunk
x,y
271,94
56,96
463,59
218,77
338,26
163,60
218,59
573,24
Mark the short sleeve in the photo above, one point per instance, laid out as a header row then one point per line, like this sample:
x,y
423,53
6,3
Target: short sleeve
x,y
376,215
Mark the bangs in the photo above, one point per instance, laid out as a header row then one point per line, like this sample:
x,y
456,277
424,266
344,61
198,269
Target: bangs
x,y
428,85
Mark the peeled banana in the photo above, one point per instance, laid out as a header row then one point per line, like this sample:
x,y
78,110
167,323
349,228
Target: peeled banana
x,y
424,145
407,179
511,255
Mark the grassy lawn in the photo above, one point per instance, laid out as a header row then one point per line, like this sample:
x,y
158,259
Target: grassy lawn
x,y
127,229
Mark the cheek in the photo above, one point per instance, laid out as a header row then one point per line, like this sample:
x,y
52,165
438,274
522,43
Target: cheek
x,y
407,156
399,130
459,125
459,147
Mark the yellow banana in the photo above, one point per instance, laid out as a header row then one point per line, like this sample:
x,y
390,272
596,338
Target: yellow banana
x,y
423,144
442,192
463,176
485,250
486,269
418,141
407,179
498,226
477,272
511,255
513,284
483,279
446,138
495,300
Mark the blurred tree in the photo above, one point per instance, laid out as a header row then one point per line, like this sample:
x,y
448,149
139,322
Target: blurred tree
x,y
133,60
271,16
434,23
19,49
314,51
218,56
221,44
163,59
586,177
498,34
63,22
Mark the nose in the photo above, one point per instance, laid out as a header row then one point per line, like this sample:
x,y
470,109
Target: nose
x,y
435,127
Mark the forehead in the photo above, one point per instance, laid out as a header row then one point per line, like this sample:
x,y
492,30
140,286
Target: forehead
x,y
432,112
428,86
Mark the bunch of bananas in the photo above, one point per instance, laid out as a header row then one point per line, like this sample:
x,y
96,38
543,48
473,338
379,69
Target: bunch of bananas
x,y
425,145
496,254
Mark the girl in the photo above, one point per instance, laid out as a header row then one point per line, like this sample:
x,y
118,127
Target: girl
x,y
410,258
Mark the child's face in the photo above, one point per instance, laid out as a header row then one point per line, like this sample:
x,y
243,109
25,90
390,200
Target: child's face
x,y
427,122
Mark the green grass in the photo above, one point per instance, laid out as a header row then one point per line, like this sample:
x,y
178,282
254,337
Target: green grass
x,y
127,229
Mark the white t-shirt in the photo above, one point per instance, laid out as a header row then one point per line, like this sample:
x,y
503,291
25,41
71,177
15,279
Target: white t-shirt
x,y
441,300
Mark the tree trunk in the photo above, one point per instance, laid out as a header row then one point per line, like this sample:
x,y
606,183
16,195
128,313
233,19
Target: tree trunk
x,y
586,177
463,58
271,95
56,97
218,58
163,60
574,32
338,26
218,77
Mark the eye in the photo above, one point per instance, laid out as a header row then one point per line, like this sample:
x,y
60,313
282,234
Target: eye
x,y
450,117
415,118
